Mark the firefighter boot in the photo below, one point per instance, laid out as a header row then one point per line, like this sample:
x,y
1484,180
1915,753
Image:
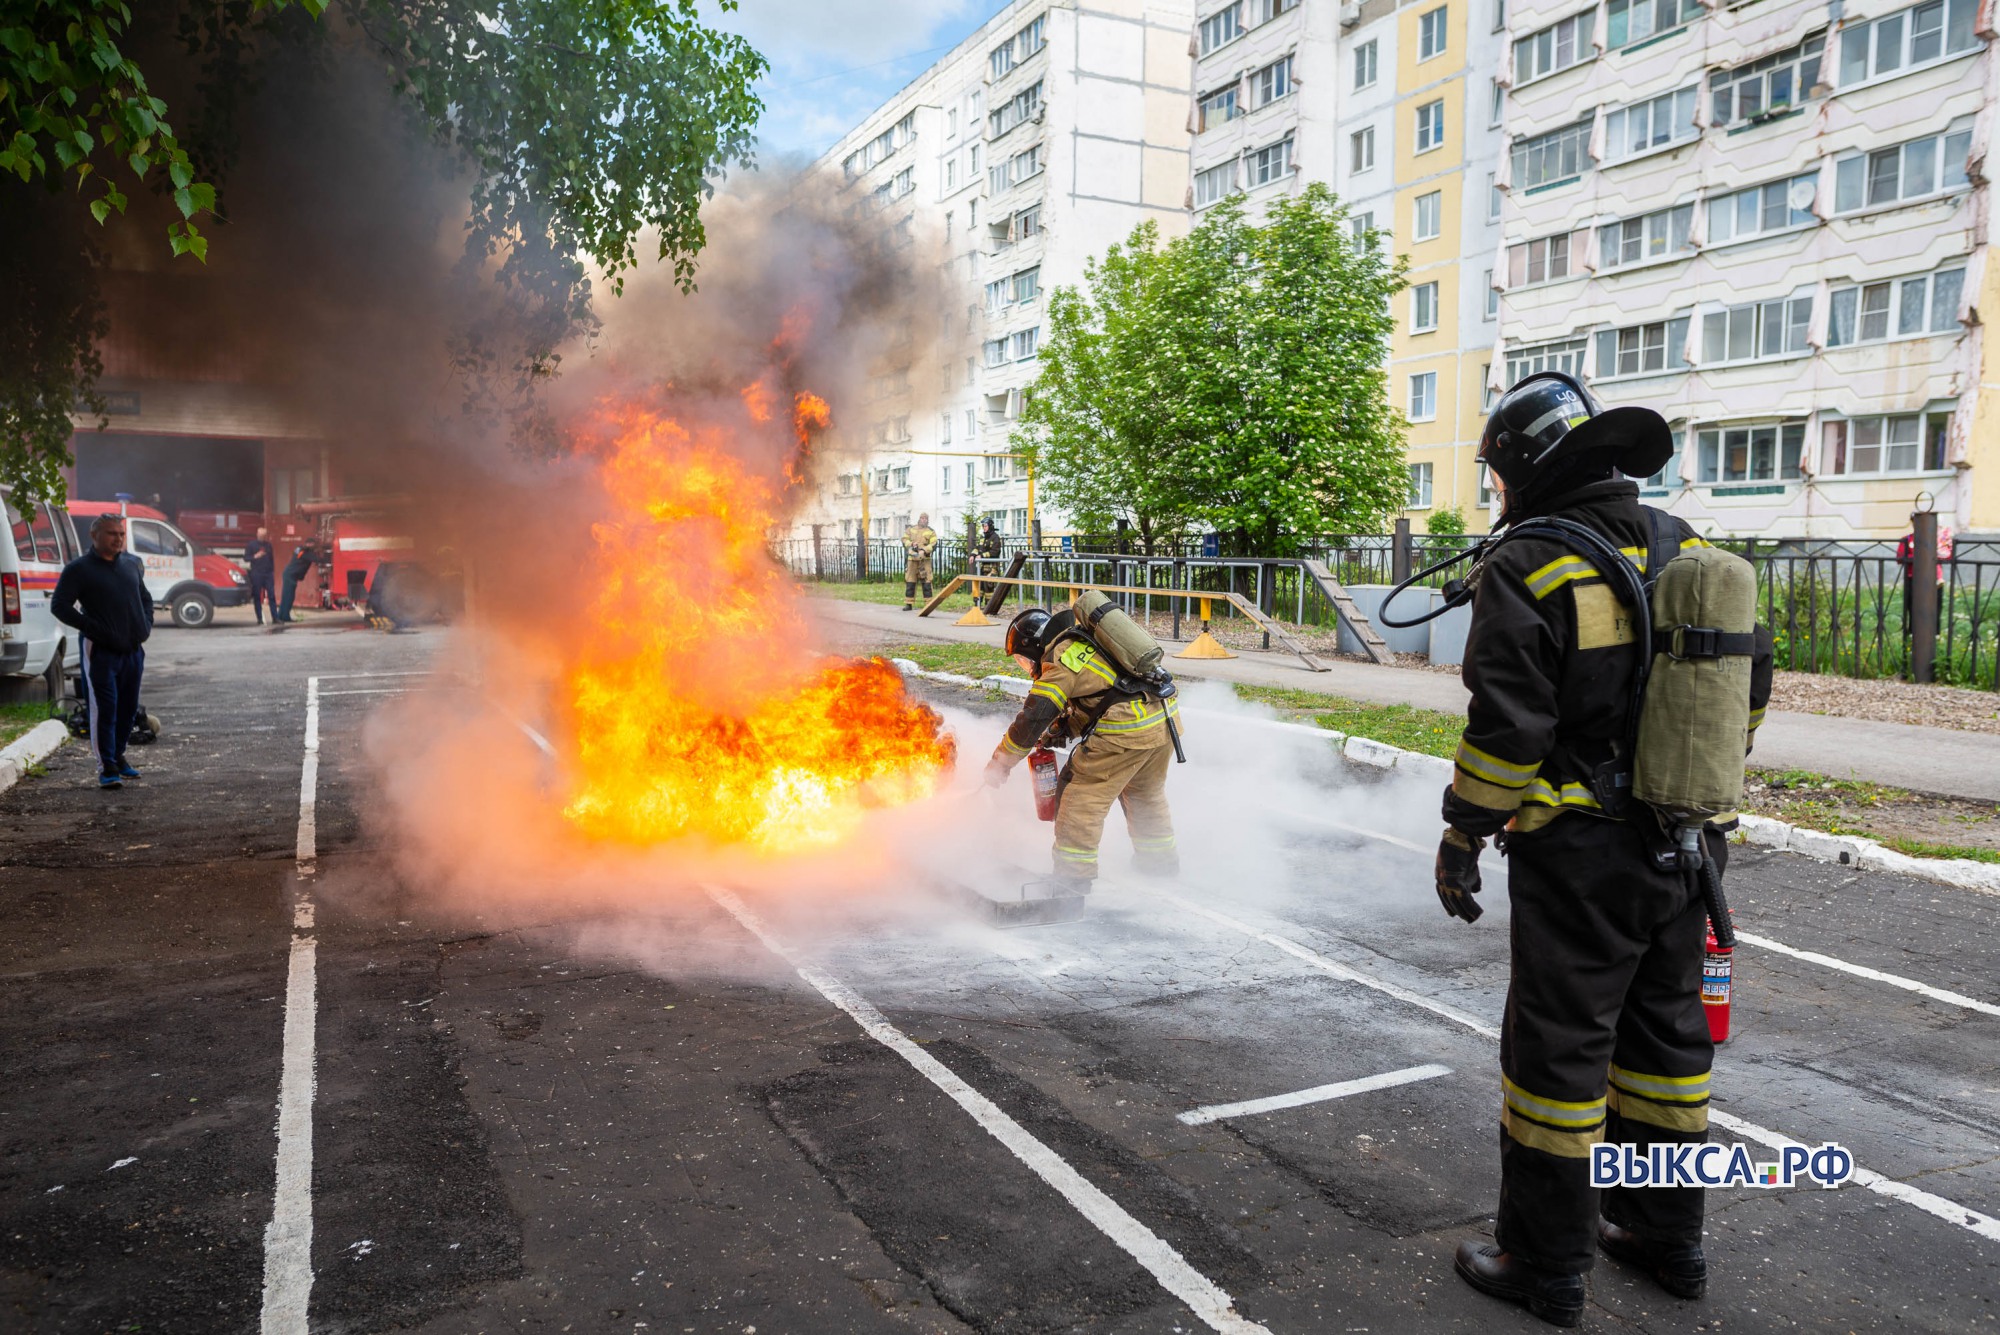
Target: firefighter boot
x,y
1554,1297
1679,1267
909,595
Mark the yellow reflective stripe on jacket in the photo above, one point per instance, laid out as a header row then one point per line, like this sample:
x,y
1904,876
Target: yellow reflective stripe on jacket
x,y
1007,743
1144,716
1756,719
1485,765
1050,692
1549,1140
1543,793
1668,1116
1547,579
1556,1112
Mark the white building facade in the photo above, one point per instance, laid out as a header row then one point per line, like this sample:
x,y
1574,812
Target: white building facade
x,y
1038,142
1770,222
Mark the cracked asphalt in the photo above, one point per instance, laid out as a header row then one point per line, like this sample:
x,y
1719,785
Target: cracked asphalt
x,y
650,1121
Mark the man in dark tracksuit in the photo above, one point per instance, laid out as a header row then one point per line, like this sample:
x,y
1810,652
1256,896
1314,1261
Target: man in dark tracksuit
x,y
1604,1037
262,559
102,594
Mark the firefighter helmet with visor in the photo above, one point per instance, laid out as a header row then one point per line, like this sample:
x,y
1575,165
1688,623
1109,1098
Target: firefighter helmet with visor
x,y
1549,429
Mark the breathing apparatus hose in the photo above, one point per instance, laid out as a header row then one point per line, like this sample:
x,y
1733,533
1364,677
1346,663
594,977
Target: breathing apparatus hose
x,y
1456,592
1718,907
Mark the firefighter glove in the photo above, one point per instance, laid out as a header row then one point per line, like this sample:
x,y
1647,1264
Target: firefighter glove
x,y
1458,873
997,771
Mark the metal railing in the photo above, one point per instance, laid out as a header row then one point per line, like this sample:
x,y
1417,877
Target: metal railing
x,y
1834,607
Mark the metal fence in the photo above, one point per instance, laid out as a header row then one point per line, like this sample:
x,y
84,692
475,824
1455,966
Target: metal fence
x,y
1834,607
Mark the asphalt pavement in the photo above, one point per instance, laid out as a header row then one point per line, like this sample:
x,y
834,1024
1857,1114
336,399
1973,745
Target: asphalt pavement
x,y
768,1107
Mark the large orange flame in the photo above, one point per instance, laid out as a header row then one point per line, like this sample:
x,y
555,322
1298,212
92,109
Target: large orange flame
x,y
694,708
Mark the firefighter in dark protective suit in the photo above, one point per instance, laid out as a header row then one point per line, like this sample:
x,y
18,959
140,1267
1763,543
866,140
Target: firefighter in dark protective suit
x,y
1123,748
1604,1037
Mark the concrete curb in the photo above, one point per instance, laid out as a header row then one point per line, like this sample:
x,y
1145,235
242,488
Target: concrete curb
x,y
1847,850
32,748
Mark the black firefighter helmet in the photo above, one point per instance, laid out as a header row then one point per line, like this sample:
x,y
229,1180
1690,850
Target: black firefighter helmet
x,y
1548,428
1032,631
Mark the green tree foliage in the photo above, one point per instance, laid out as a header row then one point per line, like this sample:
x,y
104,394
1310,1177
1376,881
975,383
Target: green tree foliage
x,y
581,124
1094,421
1448,521
1233,378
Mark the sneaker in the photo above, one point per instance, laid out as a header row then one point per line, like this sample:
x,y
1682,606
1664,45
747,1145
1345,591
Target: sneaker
x,y
125,770
110,781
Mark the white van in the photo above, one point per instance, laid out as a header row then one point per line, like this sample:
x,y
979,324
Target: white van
x,y
32,642
183,576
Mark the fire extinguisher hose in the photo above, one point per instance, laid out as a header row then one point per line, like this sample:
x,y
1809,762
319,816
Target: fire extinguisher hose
x,y
1718,907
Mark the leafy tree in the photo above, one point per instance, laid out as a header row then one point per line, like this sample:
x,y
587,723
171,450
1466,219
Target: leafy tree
x,y
580,126
1232,378
1447,522
1093,422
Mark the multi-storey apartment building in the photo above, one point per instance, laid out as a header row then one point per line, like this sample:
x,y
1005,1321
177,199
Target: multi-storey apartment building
x,y
1769,221
1396,107
1036,143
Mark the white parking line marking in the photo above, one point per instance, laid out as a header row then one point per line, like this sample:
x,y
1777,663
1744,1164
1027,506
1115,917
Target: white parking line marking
x,y
1208,1302
288,1238
1748,938
1317,1094
1875,975
1986,1226
369,690
1334,967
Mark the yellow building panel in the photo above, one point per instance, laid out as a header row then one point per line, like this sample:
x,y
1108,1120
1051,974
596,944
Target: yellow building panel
x,y
1444,248
1412,165
1413,73
1407,341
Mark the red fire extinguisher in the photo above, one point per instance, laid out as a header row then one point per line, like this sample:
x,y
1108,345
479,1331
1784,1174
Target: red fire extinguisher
x,y
1716,968
1042,774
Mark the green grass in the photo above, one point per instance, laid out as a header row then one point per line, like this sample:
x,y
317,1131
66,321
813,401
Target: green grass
x,y
1917,848
17,719
968,660
882,592
1430,732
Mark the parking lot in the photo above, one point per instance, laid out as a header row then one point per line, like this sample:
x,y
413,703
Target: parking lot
x,y
766,1103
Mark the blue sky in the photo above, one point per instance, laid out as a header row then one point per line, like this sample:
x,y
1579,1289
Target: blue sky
x,y
833,61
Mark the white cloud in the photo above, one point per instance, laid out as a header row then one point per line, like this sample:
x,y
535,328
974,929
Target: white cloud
x,y
834,61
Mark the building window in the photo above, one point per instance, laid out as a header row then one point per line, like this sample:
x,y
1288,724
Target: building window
x,y
996,351
1217,109
1025,164
1642,349
944,480
1749,453
996,468
1430,33
944,438
1556,47
1906,40
971,424
1492,308
1018,522
1020,107
970,486
1271,83
1902,308
1214,183
1423,308
1365,67
1669,475
899,478
1762,208
1027,223
1271,9
1756,330
1552,158
1565,356
906,181
1018,48
1027,285
1492,197
1654,123
1022,344
1629,21
1430,126
998,295
1420,487
1546,259
1222,27
1905,171
1496,111
1424,397
1768,86
1429,220
1648,237
1271,164
1903,443
1361,225
1361,149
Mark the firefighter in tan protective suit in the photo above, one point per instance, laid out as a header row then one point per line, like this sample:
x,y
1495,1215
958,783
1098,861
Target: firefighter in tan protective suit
x,y
1123,747
919,540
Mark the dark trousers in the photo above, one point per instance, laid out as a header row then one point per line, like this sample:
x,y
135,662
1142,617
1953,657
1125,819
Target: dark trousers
x,y
291,591
261,594
111,694
1603,1039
